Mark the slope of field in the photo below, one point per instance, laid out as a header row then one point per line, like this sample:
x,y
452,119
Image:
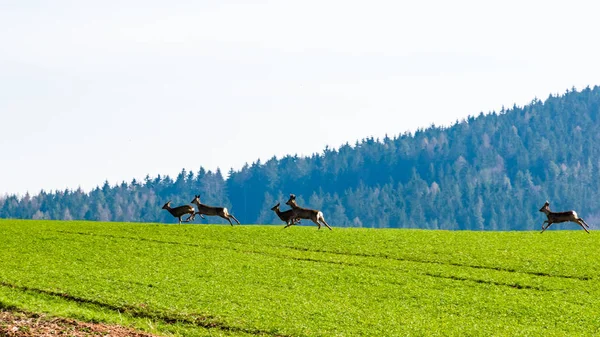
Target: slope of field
x,y
195,280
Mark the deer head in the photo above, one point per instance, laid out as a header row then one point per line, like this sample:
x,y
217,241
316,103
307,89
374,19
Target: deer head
x,y
546,207
167,205
276,207
291,200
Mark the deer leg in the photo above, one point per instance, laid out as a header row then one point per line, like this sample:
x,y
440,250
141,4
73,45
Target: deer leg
x,y
580,223
226,218
190,218
231,216
544,228
179,220
585,223
317,222
322,219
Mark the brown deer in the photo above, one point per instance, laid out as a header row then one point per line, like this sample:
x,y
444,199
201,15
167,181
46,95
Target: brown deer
x,y
305,213
557,217
180,211
209,210
285,216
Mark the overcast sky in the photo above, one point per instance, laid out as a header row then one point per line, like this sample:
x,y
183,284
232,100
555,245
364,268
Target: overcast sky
x,y
115,90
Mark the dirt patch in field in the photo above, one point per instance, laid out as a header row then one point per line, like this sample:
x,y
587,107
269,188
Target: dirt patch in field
x,y
25,325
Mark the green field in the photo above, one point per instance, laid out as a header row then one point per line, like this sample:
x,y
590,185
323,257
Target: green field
x,y
198,280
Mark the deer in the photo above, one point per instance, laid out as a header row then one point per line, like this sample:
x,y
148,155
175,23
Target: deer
x,y
209,210
286,216
558,217
180,211
305,213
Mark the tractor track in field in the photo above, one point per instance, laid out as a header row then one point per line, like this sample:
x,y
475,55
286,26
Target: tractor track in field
x,y
202,321
350,264
455,278
218,248
380,256
133,238
455,264
494,283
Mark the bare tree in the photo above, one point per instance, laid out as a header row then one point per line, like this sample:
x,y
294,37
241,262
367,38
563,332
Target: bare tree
x,y
305,213
558,217
209,210
285,216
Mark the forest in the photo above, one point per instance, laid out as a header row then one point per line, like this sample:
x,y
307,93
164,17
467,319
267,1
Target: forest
x,y
490,171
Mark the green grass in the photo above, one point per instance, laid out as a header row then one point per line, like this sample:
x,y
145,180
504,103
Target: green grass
x,y
195,280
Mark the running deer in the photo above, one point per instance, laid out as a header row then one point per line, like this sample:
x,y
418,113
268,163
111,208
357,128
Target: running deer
x,y
286,216
180,211
209,210
557,217
305,213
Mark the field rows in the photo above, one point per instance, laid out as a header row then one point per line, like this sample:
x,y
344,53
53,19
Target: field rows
x,y
263,280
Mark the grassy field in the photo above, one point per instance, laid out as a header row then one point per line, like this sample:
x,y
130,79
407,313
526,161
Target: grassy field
x,y
195,280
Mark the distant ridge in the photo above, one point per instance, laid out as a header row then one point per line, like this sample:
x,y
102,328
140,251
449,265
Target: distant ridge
x,y
489,172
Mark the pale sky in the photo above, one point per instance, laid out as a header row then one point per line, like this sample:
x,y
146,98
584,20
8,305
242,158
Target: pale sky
x,y
115,90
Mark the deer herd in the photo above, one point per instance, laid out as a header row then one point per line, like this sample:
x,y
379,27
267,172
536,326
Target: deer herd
x,y
290,217
296,213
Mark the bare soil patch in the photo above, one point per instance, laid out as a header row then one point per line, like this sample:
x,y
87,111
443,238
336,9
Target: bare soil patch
x,y
16,324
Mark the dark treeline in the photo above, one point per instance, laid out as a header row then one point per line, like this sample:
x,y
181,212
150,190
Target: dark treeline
x,y
488,172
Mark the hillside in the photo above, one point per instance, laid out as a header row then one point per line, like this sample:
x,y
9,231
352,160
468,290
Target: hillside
x,y
488,172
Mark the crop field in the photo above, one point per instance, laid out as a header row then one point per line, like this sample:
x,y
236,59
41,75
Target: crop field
x,y
217,280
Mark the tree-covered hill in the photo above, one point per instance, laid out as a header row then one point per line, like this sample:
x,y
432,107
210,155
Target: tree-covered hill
x,y
490,172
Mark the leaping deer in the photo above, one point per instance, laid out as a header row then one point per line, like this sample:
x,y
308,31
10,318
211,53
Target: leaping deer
x,y
285,216
180,211
305,213
557,217
209,210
